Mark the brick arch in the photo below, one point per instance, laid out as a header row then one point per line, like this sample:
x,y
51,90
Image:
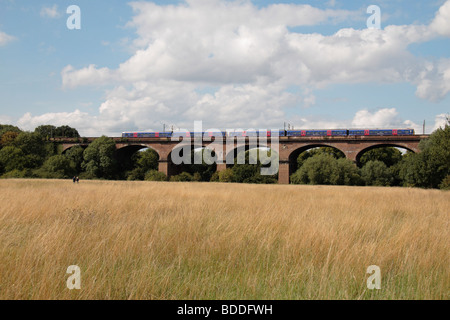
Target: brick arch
x,y
232,154
138,146
382,145
294,153
70,146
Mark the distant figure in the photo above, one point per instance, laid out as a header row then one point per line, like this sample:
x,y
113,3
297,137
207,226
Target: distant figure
x,y
78,180
74,179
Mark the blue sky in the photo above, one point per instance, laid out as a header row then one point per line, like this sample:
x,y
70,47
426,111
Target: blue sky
x,y
230,64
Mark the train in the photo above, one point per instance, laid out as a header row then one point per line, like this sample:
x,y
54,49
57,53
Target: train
x,y
281,133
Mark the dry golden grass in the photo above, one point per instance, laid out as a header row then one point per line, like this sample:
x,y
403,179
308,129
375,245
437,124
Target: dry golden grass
x,y
145,240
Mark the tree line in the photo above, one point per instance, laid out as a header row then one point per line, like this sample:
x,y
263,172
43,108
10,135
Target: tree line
x,y
25,154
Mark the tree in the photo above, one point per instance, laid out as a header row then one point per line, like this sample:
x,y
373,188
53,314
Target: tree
x,y
99,158
8,138
31,144
388,155
251,173
319,169
46,131
431,166
302,157
75,154
203,171
376,173
154,175
226,175
59,166
8,128
348,173
147,160
12,158
182,177
66,132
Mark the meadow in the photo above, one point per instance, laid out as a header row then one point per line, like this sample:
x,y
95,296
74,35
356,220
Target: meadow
x,y
161,240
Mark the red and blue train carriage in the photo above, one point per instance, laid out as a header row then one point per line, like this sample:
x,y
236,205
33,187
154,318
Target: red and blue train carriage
x,y
281,133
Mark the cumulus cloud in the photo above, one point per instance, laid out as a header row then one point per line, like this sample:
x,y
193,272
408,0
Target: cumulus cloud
x,y
250,58
50,12
440,121
441,22
383,118
433,82
5,38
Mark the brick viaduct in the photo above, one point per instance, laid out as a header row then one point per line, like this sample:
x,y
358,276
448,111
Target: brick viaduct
x,y
289,148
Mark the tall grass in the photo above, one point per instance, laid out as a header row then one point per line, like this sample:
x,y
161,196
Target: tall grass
x,y
153,240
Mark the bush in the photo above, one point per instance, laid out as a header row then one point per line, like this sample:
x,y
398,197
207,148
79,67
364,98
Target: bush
x,y
182,177
376,173
18,174
348,173
215,177
59,167
319,169
226,175
445,185
154,175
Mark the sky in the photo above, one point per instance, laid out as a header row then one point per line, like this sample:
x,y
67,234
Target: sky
x,y
149,65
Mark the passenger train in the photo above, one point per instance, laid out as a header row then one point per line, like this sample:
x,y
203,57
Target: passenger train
x,y
282,133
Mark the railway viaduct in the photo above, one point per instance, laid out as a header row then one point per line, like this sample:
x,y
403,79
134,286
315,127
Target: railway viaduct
x,y
289,148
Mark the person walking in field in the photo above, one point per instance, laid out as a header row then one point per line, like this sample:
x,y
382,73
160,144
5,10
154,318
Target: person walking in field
x,y
74,179
78,180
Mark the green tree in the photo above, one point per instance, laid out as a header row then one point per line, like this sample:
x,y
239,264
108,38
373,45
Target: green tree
x,y
31,144
376,173
8,128
59,166
250,172
99,159
154,175
226,175
182,177
66,132
388,155
147,160
8,138
12,158
75,154
319,169
337,154
431,166
46,131
348,173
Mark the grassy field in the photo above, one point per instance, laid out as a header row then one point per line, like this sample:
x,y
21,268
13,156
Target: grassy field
x,y
145,240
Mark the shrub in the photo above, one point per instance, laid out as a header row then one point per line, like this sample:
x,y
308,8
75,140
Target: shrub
x,y
226,175
445,185
376,173
154,175
182,177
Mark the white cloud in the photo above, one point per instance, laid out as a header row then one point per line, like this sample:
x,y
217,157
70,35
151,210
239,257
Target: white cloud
x,y
440,121
251,58
441,22
5,38
433,82
50,12
383,118
86,76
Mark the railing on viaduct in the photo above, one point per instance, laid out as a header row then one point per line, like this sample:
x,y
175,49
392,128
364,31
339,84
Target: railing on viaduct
x,y
288,148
